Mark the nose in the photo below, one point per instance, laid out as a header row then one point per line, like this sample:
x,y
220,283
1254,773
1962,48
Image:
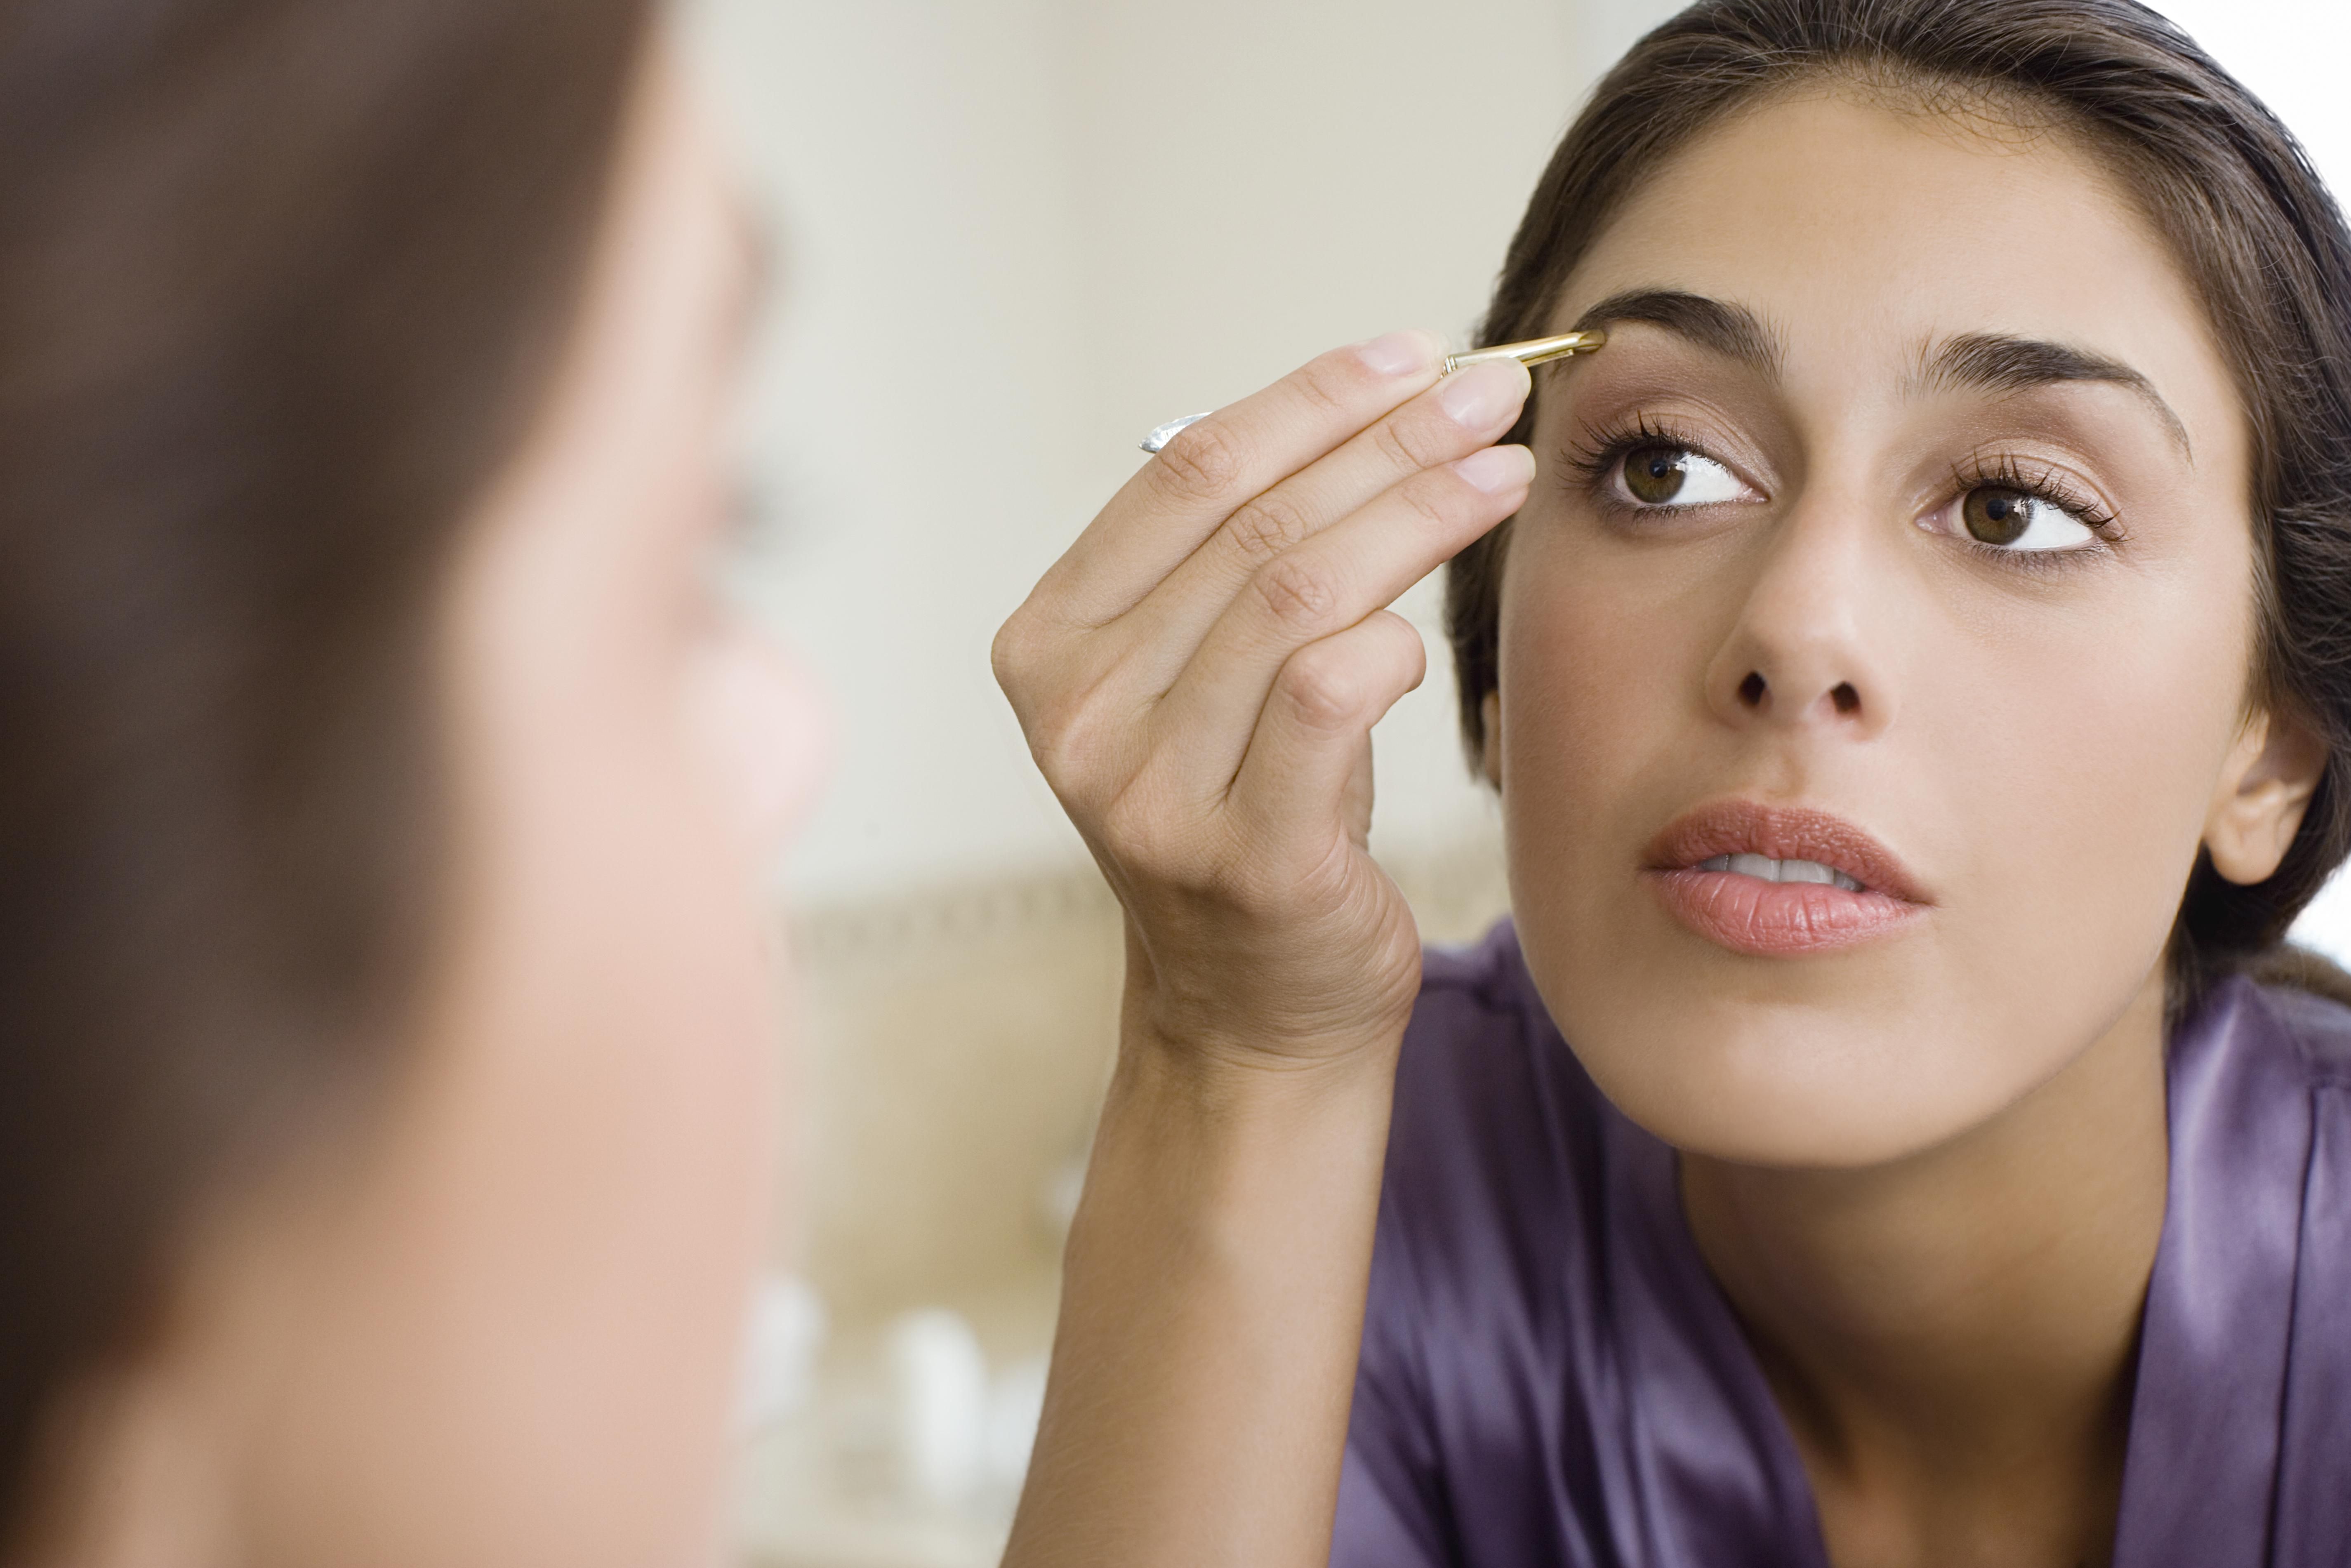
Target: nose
x,y
1810,646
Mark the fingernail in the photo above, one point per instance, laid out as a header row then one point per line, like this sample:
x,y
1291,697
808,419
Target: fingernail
x,y
1398,354
1484,396
1498,469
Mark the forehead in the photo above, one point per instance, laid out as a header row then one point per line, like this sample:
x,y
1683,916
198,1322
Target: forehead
x,y
1863,232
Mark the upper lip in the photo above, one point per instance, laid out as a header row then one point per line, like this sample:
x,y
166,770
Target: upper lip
x,y
1784,832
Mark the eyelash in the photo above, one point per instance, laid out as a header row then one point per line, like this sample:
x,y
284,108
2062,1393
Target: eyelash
x,y
1595,456
2006,471
1592,458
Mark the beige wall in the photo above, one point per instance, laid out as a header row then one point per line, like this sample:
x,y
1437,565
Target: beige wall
x,y
1021,232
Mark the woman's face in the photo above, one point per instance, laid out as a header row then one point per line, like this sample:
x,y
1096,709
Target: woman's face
x,y
1900,536
509,1335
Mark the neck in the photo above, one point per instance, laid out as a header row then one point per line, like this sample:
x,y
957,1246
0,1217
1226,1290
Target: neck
x,y
1953,1335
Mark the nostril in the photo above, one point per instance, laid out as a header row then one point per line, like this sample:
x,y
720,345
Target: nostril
x,y
1847,699
1751,689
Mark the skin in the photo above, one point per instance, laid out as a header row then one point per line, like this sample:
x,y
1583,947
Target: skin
x,y
1926,1168
495,1322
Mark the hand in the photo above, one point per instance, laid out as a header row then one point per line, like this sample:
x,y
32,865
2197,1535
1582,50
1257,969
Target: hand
x,y
1199,678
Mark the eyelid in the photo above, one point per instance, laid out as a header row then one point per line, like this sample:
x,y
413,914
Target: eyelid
x,y
2007,470
1601,445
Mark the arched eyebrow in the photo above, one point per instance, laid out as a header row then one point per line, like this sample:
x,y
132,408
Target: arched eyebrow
x,y
1983,362
1993,362
1732,330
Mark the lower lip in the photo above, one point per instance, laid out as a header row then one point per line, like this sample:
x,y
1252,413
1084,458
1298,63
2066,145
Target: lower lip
x,y
1777,919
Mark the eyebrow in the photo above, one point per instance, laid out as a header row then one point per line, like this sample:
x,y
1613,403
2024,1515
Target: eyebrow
x,y
1985,362
1732,330
1992,362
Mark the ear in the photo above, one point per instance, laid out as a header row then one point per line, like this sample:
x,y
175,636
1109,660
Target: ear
x,y
1489,761
2263,790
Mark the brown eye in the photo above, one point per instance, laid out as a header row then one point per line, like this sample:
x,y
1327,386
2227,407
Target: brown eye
x,y
1997,517
1656,474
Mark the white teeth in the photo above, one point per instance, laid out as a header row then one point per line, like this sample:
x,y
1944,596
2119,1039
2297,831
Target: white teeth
x,y
1765,869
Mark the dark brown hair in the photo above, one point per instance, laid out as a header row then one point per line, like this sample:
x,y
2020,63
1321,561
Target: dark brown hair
x,y
281,281
2229,188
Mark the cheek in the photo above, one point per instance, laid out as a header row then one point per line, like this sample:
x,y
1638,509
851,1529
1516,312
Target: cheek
x,y
1602,702
2050,771
2081,752
537,1318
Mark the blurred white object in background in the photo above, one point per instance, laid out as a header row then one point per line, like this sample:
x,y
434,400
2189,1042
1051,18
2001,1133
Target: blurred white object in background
x,y
1016,1401
938,1379
1056,1199
2325,926
959,1433
781,1338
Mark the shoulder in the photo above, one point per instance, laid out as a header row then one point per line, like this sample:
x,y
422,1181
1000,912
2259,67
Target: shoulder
x,y
2316,1029
1488,973
1488,1263
1479,1020
1481,1050
1493,1152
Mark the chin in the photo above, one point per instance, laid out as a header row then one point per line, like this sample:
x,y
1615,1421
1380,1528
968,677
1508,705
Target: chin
x,y
1854,1070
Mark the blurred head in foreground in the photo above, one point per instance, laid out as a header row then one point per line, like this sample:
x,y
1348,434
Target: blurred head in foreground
x,y
385,1024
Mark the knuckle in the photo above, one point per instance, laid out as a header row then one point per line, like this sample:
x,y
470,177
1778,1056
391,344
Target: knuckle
x,y
1327,385
1411,443
1205,463
1324,690
1073,759
1395,448
1233,882
1266,526
1012,655
1299,594
1437,498
1149,839
1079,741
1130,833
1056,740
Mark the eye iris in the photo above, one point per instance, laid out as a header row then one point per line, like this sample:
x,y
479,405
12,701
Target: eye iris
x,y
1656,474
1997,517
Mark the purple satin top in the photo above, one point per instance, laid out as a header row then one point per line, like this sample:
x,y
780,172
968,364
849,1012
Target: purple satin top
x,y
1551,1376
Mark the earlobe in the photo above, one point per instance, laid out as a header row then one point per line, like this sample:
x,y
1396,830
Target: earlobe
x,y
1490,718
2262,793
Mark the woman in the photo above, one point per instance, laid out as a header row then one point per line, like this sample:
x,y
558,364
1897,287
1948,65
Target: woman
x,y
1912,665
385,1101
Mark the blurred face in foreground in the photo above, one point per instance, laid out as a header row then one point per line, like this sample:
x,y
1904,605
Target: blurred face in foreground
x,y
1876,645
499,1326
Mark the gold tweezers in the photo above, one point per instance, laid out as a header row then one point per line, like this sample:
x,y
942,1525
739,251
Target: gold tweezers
x,y
1535,351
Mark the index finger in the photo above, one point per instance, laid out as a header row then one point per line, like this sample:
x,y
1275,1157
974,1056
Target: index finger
x,y
1178,499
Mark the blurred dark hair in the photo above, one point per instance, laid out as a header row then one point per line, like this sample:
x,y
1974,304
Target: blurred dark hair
x,y
2229,188
281,284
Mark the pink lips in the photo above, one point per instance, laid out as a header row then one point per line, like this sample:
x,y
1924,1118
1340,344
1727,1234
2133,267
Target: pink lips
x,y
1778,919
